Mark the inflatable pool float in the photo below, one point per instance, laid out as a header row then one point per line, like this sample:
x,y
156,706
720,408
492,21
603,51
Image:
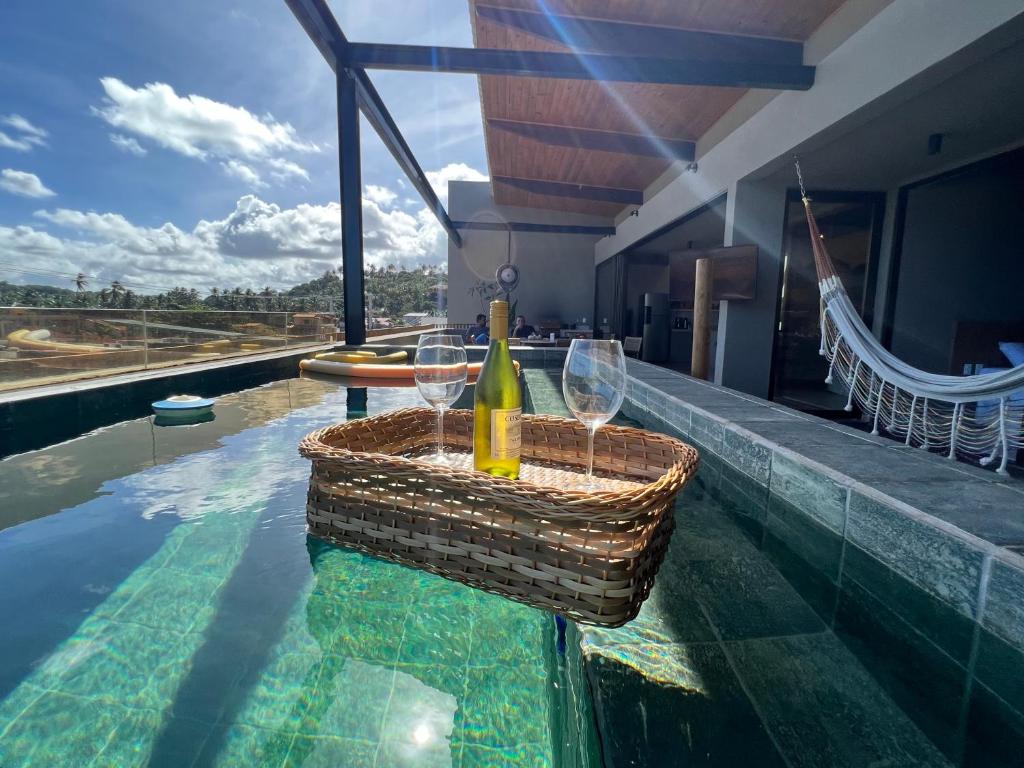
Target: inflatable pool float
x,y
183,407
39,341
372,370
363,357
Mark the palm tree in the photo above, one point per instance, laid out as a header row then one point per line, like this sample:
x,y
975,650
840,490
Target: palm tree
x,y
81,282
116,290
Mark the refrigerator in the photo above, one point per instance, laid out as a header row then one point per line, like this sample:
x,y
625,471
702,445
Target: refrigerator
x,y
656,328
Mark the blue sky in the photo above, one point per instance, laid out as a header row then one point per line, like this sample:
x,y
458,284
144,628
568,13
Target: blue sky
x,y
194,142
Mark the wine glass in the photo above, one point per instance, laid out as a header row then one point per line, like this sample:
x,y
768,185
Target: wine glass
x,y
440,369
594,383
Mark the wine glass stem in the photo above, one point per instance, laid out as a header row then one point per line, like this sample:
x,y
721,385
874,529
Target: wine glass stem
x,y
440,431
590,451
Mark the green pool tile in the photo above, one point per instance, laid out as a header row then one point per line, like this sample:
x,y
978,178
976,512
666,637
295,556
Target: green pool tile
x,y
706,720
281,696
809,491
748,598
706,432
819,546
419,724
741,496
57,729
824,709
445,679
350,700
1000,667
173,602
934,618
749,456
943,564
704,532
140,740
368,631
925,681
504,707
995,732
325,752
819,591
242,746
1004,606
478,756
127,666
437,637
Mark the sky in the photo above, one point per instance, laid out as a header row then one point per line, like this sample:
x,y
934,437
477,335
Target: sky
x,y
194,142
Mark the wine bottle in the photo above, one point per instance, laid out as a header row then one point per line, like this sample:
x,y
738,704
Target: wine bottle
x,y
497,404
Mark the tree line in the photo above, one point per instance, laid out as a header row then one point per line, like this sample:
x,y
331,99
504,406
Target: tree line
x,y
391,292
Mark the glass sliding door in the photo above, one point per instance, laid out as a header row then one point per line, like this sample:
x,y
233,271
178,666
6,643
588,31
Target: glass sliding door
x,y
850,223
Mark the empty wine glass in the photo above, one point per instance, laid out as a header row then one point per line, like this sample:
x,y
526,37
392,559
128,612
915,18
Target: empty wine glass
x,y
594,382
440,377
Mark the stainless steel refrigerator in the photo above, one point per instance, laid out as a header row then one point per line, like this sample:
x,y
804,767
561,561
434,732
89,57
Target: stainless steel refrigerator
x,y
656,328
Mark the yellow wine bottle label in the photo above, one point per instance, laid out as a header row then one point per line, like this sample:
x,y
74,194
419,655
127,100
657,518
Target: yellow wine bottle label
x,y
506,432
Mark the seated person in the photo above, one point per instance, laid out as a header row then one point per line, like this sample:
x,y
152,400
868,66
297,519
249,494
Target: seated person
x,y
478,333
522,330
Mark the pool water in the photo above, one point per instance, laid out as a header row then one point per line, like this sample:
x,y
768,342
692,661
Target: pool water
x,y
163,605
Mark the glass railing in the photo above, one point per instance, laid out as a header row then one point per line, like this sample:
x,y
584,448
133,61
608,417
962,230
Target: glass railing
x,y
43,345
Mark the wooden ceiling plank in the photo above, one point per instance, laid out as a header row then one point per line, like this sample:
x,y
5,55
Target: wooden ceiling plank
x,y
579,191
604,141
627,38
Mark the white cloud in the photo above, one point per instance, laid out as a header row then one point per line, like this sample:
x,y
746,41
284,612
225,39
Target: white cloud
x,y
452,172
128,144
201,128
257,243
242,171
381,196
25,134
24,184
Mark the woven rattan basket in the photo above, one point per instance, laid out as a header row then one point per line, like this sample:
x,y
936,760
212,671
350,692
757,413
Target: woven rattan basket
x,y
590,555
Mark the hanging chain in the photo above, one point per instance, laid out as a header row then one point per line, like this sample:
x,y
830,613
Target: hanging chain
x,y
800,178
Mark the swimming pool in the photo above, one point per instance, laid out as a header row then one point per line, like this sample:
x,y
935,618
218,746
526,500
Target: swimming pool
x,y
164,606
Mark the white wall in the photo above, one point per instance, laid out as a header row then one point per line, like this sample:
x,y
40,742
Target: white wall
x,y
556,270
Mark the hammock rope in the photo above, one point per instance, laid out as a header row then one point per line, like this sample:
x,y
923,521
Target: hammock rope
x,y
969,416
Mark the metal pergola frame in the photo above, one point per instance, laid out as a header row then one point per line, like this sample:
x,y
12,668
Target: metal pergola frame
x,y
706,59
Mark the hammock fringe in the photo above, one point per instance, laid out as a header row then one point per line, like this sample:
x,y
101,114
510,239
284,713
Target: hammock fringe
x,y
971,416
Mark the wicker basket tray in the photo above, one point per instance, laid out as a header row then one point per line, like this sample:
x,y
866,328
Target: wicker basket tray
x,y
590,555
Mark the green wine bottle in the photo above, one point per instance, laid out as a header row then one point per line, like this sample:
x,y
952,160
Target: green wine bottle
x,y
497,404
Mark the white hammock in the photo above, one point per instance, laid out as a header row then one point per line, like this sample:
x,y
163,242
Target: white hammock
x,y
970,415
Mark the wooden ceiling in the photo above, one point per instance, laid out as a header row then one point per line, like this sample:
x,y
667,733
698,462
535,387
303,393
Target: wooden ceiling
x,y
667,111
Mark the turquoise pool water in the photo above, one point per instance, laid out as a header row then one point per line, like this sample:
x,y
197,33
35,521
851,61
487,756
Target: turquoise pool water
x,y
164,606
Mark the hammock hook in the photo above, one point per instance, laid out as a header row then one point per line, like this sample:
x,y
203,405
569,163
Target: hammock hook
x,y
800,179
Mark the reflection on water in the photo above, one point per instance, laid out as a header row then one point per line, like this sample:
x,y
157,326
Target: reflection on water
x,y
44,482
177,614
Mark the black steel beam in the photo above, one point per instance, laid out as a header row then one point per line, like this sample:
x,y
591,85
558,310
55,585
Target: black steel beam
x,y
526,226
579,191
604,141
581,66
323,29
626,38
351,210
373,107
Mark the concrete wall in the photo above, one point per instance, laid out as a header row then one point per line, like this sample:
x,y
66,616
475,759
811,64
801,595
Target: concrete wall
x,y
556,270
755,215
961,260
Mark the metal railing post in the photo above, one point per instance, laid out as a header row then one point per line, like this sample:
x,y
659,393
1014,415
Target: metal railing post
x,y
145,341
286,330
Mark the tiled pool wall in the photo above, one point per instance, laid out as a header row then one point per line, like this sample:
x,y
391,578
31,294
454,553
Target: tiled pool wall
x,y
936,614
